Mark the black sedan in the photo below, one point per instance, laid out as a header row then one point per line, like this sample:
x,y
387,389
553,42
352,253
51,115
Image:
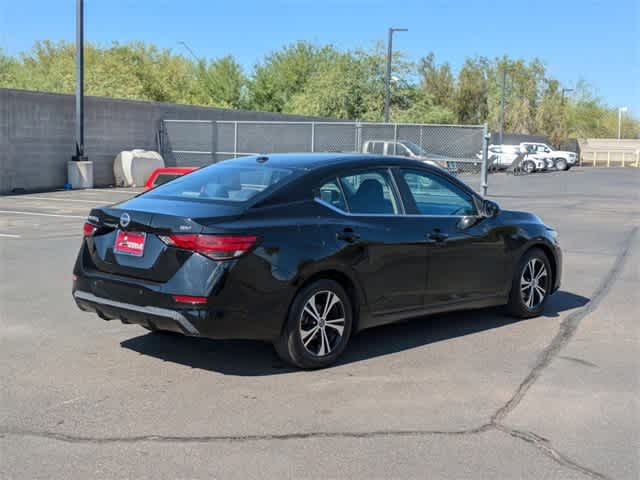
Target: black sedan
x,y
305,250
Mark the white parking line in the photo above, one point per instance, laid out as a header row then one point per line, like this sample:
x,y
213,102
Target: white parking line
x,y
8,235
15,212
66,199
113,191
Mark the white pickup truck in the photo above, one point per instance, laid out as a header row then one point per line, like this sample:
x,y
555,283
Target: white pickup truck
x,y
409,149
554,158
537,157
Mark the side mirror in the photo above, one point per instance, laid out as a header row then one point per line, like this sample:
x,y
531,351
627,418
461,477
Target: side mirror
x,y
468,221
490,209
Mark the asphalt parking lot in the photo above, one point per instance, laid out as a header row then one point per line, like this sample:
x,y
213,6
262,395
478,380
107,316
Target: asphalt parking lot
x,y
474,394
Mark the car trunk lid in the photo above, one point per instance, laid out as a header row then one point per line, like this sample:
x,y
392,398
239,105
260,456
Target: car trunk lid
x,y
130,239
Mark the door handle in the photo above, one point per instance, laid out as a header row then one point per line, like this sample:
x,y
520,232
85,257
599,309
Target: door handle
x,y
437,237
348,235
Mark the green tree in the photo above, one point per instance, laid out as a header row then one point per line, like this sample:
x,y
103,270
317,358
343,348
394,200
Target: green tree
x,y
285,73
221,83
471,99
550,115
437,81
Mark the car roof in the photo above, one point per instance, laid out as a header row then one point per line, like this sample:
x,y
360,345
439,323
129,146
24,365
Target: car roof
x,y
313,161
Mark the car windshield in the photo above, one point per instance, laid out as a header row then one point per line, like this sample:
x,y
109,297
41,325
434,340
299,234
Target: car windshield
x,y
228,181
415,149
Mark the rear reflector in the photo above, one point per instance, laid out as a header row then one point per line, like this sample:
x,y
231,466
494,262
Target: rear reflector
x,y
217,247
190,299
88,229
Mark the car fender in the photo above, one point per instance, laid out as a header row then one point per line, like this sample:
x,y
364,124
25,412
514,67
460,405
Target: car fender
x,y
331,269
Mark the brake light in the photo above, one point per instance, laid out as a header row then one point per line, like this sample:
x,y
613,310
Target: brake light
x,y
88,229
190,299
217,247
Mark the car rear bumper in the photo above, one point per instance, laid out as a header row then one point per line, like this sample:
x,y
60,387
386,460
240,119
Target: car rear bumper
x,y
234,309
154,318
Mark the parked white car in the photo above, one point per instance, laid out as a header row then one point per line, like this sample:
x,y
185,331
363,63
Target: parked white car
x,y
558,159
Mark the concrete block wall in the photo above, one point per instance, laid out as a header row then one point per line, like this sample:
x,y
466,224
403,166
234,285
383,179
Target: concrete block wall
x,y
37,133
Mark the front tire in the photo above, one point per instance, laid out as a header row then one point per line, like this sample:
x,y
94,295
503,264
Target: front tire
x,y
562,164
528,166
531,285
318,326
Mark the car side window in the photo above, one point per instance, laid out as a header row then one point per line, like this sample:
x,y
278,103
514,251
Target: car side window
x,y
331,193
370,192
402,150
433,195
378,148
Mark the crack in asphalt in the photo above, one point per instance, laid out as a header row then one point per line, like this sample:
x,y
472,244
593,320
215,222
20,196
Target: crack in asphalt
x,y
566,331
544,445
237,438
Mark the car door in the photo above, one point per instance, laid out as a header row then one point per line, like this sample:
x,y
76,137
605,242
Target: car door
x,y
463,265
381,245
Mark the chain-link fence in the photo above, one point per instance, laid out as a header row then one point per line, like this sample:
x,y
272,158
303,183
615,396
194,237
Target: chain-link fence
x,y
457,148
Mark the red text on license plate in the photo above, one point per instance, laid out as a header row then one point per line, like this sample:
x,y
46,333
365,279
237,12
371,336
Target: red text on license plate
x,y
130,243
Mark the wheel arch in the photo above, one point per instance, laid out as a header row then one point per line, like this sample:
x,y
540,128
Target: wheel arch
x,y
548,251
356,295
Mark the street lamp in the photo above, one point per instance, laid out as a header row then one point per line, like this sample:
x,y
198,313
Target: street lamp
x,y
565,90
79,169
387,83
504,87
79,156
188,49
620,111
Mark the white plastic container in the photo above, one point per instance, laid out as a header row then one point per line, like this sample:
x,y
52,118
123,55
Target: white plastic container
x,y
131,168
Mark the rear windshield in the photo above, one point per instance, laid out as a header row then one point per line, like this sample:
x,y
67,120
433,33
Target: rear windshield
x,y
228,181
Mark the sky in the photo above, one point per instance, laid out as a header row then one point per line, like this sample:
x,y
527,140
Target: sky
x,y
591,40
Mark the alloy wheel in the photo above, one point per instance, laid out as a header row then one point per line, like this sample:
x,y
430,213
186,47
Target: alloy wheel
x,y
534,283
529,166
322,323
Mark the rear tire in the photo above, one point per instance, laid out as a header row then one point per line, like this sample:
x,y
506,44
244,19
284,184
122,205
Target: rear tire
x,y
531,285
318,326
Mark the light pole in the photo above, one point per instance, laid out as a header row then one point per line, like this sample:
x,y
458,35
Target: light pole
x,y
504,86
620,111
565,90
188,49
387,83
79,169
79,156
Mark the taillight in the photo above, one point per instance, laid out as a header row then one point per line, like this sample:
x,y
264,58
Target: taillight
x,y
88,229
190,299
217,247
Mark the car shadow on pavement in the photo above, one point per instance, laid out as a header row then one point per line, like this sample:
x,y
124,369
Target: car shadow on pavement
x,y
254,358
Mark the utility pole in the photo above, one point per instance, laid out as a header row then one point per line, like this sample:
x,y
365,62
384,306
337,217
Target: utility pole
x,y
387,83
504,86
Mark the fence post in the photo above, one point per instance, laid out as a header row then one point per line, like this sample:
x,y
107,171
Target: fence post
x,y
357,132
608,159
235,139
485,159
637,158
623,153
313,136
395,138
595,155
